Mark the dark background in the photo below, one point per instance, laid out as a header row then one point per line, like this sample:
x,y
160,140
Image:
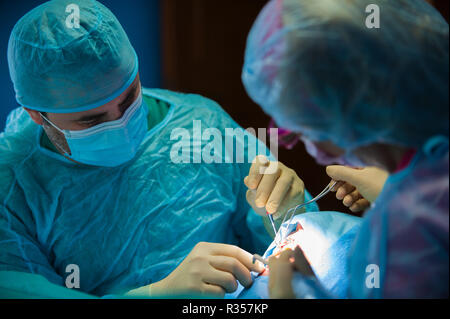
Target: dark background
x,y
203,44
192,46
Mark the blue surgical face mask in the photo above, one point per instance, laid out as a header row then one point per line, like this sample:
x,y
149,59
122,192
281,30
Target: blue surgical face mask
x,y
111,143
323,158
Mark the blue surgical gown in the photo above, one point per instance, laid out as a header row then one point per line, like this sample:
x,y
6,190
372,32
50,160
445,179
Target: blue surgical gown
x,y
124,227
401,247
405,233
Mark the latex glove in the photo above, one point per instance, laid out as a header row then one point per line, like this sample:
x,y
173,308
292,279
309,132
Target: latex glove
x,y
357,187
209,270
273,187
281,270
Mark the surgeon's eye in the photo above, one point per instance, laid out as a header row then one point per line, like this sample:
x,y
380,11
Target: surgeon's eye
x,y
89,123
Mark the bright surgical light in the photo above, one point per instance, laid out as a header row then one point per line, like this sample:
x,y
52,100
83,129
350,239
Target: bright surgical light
x,y
312,241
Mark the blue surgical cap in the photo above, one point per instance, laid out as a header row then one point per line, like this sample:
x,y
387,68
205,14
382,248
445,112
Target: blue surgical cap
x,y
57,66
317,69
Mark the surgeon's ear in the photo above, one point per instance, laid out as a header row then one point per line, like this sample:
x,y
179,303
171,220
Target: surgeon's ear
x,y
35,116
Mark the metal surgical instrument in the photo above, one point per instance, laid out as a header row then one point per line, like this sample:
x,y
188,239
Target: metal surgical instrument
x,y
325,191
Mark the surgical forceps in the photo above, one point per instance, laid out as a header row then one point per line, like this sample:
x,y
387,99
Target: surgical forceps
x,y
325,191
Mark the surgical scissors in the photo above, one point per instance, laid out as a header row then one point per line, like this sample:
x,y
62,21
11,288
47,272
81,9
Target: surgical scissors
x,y
325,191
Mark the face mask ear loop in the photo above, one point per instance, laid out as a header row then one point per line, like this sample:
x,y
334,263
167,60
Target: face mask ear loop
x,y
50,122
60,148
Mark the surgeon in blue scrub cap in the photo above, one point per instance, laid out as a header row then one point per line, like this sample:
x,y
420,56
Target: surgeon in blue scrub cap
x,y
365,97
90,196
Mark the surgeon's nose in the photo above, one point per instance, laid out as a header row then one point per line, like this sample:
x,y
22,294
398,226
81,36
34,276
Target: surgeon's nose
x,y
117,113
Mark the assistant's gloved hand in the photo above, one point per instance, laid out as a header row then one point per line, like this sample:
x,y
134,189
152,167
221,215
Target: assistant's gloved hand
x,y
209,270
281,271
357,187
273,187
